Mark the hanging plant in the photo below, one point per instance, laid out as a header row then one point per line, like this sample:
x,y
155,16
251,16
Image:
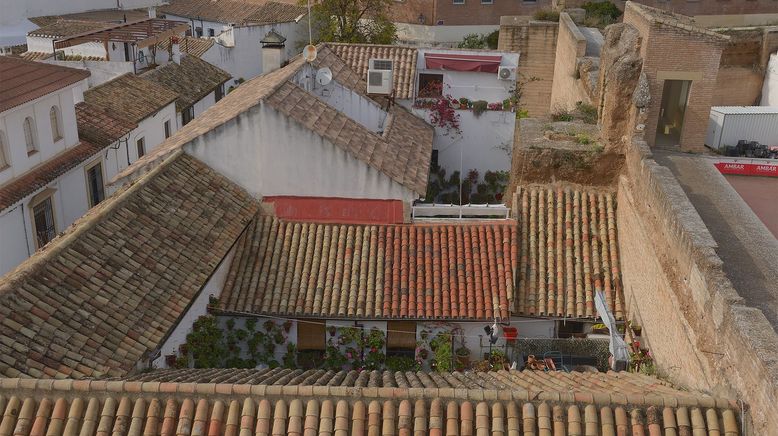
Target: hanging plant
x,y
444,116
332,330
479,107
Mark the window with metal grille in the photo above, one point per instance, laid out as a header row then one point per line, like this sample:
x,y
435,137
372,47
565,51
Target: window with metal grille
x,y
382,64
141,145
43,219
167,129
219,92
94,183
187,115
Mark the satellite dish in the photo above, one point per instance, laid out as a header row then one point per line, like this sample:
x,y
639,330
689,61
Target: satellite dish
x,y
309,53
324,76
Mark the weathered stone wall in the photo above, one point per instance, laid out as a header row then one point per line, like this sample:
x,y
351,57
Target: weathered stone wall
x,y
570,48
699,331
536,41
743,66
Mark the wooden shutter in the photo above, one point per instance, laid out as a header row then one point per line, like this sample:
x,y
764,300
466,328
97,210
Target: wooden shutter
x,y
401,334
310,335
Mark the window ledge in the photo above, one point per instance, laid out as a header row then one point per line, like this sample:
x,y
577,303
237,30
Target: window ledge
x,y
30,153
4,167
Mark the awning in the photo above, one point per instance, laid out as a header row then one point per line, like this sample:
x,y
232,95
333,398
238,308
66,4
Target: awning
x,y
460,62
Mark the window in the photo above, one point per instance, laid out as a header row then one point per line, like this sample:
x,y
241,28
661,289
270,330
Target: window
x,y
167,129
459,2
311,339
5,161
141,145
219,92
400,338
43,220
430,85
210,32
187,115
199,32
56,125
434,158
94,184
30,136
487,2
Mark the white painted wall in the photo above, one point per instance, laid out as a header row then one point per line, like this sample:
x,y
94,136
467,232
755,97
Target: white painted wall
x,y
204,103
100,71
770,87
442,36
11,122
482,144
268,154
198,308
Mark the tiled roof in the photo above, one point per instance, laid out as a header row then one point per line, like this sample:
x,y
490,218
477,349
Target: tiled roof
x,y
98,126
34,407
22,81
130,97
102,15
272,12
455,271
189,45
62,28
43,174
35,55
235,11
357,56
192,79
99,298
403,152
569,251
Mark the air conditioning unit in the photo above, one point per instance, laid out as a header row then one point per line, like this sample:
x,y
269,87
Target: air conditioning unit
x,y
507,73
379,76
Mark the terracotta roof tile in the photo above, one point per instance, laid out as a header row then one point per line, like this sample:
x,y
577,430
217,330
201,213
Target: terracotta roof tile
x,y
192,79
189,45
357,56
384,271
130,97
22,81
96,299
402,152
101,15
569,251
45,173
235,11
63,28
39,408
98,126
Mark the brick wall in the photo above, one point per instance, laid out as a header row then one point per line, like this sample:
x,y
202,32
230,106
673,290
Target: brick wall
x,y
570,47
536,43
699,331
672,53
743,63
475,12
408,11
709,7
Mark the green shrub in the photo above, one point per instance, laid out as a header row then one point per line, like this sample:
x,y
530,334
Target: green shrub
x,y
492,39
546,15
562,116
600,14
401,363
479,107
588,112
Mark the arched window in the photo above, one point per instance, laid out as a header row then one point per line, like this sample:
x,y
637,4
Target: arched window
x,y
56,125
30,136
5,161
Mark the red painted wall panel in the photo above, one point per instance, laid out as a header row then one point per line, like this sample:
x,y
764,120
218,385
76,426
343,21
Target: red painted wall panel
x,y
340,210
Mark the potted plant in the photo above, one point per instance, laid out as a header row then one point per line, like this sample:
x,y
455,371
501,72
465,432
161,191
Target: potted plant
x,y
506,104
464,103
462,357
332,329
479,107
287,325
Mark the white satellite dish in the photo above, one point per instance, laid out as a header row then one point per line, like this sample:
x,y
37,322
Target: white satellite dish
x,y
324,76
309,53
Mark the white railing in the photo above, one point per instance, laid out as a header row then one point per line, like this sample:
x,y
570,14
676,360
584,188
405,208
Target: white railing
x,y
432,210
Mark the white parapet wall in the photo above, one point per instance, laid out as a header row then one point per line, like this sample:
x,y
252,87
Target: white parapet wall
x,y
442,36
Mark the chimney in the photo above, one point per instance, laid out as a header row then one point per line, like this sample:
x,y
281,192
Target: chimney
x,y
273,53
175,50
152,12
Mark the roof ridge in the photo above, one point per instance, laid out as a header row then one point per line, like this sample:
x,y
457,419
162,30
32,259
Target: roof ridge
x,y
86,222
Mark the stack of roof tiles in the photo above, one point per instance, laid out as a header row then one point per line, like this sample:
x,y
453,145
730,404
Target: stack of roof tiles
x,y
461,271
569,251
36,407
97,299
404,59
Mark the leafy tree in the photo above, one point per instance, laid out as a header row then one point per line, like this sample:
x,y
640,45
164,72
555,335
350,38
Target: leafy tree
x,y
476,41
360,21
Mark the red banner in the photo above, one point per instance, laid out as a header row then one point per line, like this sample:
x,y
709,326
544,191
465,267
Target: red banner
x,y
748,169
338,210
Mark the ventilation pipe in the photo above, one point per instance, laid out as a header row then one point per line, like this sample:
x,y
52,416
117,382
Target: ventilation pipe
x,y
175,50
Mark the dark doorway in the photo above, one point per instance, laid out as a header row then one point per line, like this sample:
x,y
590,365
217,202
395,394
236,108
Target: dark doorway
x,y
675,97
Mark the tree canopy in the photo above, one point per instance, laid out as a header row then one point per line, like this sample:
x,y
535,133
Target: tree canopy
x,y
360,21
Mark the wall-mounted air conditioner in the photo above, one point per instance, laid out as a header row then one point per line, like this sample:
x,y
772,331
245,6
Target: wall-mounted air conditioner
x,y
379,76
507,73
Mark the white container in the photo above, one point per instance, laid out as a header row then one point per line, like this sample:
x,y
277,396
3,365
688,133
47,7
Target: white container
x,y
729,124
